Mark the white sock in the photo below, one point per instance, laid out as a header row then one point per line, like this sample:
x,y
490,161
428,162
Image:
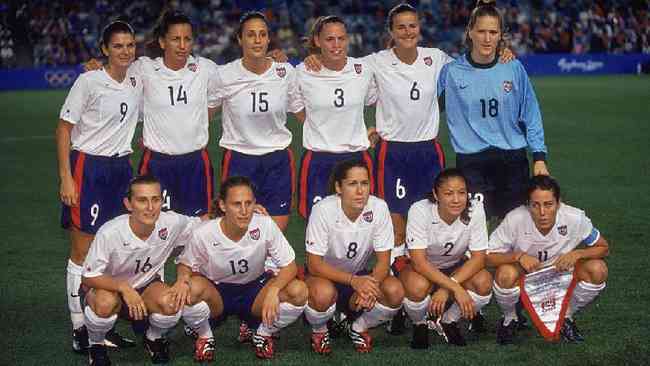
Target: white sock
x,y
288,314
583,294
373,317
197,317
453,314
479,300
507,300
159,324
97,326
318,319
73,281
417,311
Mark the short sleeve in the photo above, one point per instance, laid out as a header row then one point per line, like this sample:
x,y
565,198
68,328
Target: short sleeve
x,y
98,256
75,102
416,228
186,227
317,235
278,248
194,255
295,102
215,85
589,235
383,238
478,228
501,240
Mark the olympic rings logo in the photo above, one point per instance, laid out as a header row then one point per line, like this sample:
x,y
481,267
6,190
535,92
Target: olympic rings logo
x,y
60,78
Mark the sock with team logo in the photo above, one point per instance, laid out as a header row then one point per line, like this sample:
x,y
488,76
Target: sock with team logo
x,y
507,300
417,311
197,317
583,294
318,319
73,281
373,317
159,324
287,314
97,326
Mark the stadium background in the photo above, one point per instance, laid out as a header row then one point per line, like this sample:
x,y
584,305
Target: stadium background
x,y
596,128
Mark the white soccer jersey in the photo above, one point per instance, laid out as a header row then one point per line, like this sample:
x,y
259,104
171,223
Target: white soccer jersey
x,y
517,232
334,102
117,252
445,244
220,259
407,100
104,113
176,103
344,244
254,107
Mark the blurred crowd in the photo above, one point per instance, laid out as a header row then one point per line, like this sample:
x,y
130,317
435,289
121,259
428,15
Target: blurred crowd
x,y
56,32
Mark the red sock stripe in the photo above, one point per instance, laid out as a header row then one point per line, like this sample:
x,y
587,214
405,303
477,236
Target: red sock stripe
x,y
208,176
145,162
368,160
225,165
304,173
78,179
383,148
441,154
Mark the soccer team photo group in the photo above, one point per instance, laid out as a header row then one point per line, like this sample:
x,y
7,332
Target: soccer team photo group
x,y
324,208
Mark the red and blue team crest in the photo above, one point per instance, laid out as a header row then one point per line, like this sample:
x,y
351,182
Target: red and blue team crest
x,y
255,234
132,81
357,68
162,233
507,86
562,230
367,216
281,71
192,67
428,61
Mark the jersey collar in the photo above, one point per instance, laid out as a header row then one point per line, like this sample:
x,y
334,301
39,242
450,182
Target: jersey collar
x,y
477,65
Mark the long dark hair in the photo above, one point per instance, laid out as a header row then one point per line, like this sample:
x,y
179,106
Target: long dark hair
x,y
340,172
114,27
316,28
231,182
167,19
396,10
485,8
443,177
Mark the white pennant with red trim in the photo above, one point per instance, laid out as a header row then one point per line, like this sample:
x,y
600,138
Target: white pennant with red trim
x,y
545,294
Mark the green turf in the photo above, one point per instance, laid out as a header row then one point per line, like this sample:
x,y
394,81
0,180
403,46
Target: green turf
x,y
597,131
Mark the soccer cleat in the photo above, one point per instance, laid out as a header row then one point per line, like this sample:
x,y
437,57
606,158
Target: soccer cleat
x,y
506,333
98,355
361,340
522,321
420,338
264,346
477,324
320,343
452,334
397,325
158,349
570,332
80,340
204,349
190,332
245,333
115,340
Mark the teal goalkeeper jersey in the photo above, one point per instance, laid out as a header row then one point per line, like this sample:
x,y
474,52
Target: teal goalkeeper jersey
x,y
491,106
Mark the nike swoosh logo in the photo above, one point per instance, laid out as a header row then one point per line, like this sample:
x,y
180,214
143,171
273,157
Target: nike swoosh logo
x,y
463,86
73,295
283,204
197,211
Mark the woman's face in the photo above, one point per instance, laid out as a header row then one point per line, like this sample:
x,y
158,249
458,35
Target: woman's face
x,y
238,207
120,50
333,42
177,43
452,197
254,39
485,36
354,189
405,30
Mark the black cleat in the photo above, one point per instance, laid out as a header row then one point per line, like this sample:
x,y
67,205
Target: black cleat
x,y
115,340
420,338
477,325
506,334
98,355
397,325
338,329
570,332
522,321
452,334
158,349
80,340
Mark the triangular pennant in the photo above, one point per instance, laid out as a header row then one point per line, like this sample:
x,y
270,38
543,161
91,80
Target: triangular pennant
x,y
545,294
